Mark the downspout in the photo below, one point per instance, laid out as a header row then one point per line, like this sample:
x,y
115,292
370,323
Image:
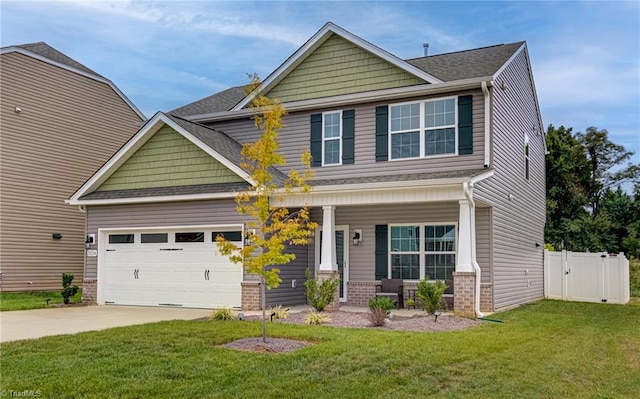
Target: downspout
x,y
468,192
487,123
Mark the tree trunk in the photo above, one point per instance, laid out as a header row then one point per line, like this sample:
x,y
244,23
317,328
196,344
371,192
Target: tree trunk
x,y
263,304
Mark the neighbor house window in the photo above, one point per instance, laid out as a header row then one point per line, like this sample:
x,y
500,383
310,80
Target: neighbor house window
x,y
331,138
417,251
526,156
423,129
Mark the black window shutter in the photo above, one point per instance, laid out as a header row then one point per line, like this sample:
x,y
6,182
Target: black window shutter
x,y
465,125
382,133
316,140
382,254
348,133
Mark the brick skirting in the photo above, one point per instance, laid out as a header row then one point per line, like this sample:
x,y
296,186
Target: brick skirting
x,y
89,291
486,297
464,292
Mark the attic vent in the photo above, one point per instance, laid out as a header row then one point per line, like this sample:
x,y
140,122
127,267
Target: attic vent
x,y
425,46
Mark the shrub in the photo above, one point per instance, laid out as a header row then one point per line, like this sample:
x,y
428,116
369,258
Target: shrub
x,y
430,294
316,318
223,314
68,290
321,293
634,277
278,312
380,310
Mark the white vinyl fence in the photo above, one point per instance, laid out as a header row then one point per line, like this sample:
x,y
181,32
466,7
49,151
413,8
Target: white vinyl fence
x,y
586,277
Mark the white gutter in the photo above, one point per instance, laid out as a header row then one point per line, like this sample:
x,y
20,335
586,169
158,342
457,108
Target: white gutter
x,y
487,122
468,192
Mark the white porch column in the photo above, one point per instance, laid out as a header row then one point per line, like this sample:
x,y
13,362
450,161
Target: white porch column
x,y
463,260
329,260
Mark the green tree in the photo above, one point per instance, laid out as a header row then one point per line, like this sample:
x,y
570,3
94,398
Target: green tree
x,y
271,227
605,160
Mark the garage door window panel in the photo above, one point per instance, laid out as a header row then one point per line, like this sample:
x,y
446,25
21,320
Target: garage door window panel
x,y
190,237
121,239
228,235
154,238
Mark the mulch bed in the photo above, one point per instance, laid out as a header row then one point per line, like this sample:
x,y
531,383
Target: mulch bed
x,y
423,323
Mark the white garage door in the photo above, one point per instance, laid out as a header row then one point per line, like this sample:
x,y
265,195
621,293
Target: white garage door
x,y
169,268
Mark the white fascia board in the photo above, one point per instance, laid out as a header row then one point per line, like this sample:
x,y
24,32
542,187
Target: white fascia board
x,y
100,79
145,200
314,42
355,98
136,142
482,176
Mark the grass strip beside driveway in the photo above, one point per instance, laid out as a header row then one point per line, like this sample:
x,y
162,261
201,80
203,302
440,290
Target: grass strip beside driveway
x,y
33,300
546,349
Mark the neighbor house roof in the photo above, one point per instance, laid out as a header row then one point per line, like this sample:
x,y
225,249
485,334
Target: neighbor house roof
x,y
45,53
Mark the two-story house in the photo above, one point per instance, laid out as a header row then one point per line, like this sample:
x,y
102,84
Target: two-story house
x,y
432,166
60,121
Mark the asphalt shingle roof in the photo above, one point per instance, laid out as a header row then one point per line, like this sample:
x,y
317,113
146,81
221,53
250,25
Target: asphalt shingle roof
x,y
44,50
447,67
466,64
166,191
456,174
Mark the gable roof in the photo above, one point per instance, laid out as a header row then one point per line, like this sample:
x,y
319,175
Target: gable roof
x,y
215,143
45,53
449,67
468,64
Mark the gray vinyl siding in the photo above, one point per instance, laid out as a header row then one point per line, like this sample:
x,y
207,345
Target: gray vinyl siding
x,y
69,126
517,224
361,257
295,135
285,294
193,213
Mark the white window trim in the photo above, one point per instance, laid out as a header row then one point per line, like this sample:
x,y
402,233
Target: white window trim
x,y
422,129
421,247
339,138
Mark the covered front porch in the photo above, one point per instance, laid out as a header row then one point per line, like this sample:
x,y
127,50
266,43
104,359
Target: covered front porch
x,y
403,230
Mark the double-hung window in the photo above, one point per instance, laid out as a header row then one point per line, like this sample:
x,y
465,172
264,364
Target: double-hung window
x,y
418,251
332,138
423,129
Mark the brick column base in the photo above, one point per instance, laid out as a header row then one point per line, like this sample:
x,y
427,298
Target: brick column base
x,y
250,295
486,297
464,293
324,275
89,291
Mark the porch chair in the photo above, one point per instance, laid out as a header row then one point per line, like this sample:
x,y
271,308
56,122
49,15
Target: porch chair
x,y
392,289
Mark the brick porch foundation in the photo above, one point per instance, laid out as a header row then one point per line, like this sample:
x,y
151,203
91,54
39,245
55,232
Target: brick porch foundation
x,y
89,291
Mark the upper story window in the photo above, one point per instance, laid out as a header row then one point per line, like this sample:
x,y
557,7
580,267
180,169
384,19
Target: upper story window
x,y
526,156
423,129
332,138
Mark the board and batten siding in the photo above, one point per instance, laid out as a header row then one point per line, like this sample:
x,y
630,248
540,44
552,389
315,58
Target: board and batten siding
x,y
295,135
517,223
168,159
340,67
69,125
362,256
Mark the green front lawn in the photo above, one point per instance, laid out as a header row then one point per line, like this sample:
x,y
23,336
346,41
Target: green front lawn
x,y
548,349
33,300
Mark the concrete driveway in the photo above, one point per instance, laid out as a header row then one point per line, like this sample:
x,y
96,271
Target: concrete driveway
x,y
28,324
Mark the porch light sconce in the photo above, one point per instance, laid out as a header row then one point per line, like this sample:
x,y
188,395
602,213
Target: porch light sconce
x,y
503,86
511,197
89,241
357,236
247,236
56,236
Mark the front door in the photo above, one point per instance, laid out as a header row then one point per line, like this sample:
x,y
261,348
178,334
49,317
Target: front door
x,y
342,256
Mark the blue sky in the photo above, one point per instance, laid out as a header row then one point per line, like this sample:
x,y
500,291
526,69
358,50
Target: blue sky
x,y
585,55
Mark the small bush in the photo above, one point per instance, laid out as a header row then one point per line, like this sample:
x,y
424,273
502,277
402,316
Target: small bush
x,y
430,294
316,318
321,294
278,312
223,314
380,310
68,290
